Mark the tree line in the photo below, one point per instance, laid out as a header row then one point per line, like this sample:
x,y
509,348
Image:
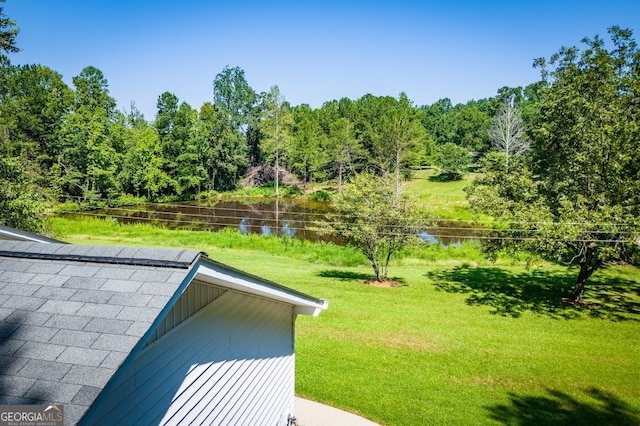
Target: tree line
x,y
78,144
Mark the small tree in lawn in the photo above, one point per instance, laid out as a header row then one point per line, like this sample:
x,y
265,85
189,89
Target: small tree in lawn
x,y
374,218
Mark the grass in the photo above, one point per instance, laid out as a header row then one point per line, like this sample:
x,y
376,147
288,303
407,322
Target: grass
x,y
443,199
462,341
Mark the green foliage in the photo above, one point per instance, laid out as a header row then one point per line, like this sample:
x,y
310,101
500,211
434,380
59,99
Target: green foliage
x,y
276,122
582,207
34,102
8,33
374,218
320,195
453,161
23,205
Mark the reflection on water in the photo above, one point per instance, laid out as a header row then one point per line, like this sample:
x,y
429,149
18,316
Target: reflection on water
x,y
292,218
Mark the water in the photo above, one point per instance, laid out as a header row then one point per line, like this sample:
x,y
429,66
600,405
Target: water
x,y
295,218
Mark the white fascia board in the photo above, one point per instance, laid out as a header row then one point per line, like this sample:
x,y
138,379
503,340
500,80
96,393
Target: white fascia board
x,y
235,280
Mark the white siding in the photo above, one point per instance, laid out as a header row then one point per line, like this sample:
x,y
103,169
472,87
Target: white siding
x,y
195,297
231,363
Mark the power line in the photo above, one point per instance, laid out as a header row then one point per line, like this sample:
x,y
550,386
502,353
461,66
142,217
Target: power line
x,y
384,233
427,222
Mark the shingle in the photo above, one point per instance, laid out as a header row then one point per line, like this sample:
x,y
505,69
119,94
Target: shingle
x,y
115,342
16,277
158,301
88,376
72,322
11,364
177,277
83,282
138,329
78,338
151,274
161,289
15,386
73,413
33,333
93,296
49,280
28,317
48,268
103,251
67,307
3,297
107,325
100,311
86,395
83,356
126,299
39,350
16,400
10,244
55,293
115,273
123,286
37,369
53,391
128,253
138,314
9,346
7,328
25,303
21,289
80,270
114,360
13,265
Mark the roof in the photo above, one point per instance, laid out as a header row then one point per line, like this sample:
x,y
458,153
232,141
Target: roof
x,y
71,315
13,234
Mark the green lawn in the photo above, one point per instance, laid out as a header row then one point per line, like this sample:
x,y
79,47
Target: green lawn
x,y
443,199
462,341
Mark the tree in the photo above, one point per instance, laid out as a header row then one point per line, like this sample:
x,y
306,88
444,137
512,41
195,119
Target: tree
x,y
342,147
275,124
89,159
306,154
373,217
398,137
234,97
471,127
8,33
226,150
453,161
34,103
142,169
582,207
175,122
22,203
508,133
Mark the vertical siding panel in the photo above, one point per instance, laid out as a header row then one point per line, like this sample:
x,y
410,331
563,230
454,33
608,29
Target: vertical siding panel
x,y
232,363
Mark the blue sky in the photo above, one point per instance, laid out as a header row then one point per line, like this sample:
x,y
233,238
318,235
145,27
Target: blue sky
x,y
314,51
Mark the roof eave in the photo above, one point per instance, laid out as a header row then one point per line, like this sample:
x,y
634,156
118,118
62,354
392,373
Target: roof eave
x,y
211,272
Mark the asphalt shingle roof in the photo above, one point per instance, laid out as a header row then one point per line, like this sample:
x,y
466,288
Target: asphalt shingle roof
x,y
70,315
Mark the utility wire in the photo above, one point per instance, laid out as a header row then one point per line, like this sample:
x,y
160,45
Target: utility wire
x,y
427,223
435,234
214,207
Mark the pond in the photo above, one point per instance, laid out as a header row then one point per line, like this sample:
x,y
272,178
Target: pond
x,y
295,218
